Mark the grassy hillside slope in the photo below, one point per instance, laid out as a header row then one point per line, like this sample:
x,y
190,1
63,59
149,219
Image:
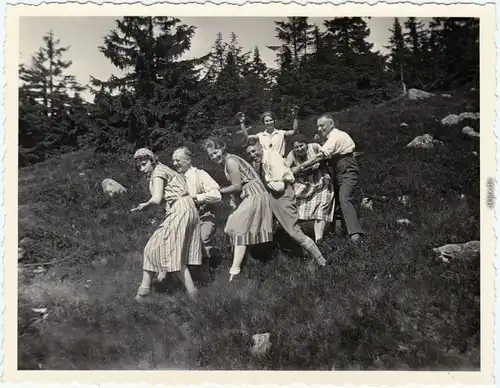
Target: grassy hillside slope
x,y
390,304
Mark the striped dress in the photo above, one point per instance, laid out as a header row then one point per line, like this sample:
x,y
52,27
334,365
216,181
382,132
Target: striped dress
x,y
177,241
251,222
314,191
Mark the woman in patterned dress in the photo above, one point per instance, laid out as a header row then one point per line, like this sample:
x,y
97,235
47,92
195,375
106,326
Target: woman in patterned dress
x,y
177,241
251,221
313,188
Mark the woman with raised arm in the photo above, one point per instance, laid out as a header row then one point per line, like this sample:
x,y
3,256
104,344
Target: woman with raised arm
x,y
313,187
271,137
251,221
177,241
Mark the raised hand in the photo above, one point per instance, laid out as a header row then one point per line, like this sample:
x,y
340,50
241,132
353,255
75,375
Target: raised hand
x,y
294,111
240,116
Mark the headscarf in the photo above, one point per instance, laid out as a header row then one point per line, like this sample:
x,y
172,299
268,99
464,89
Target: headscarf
x,y
144,153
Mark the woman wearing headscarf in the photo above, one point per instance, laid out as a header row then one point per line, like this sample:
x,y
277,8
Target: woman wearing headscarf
x,y
177,241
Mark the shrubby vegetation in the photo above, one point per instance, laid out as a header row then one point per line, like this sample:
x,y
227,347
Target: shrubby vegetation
x,y
163,99
389,304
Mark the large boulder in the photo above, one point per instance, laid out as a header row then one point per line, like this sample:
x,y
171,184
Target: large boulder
x,y
112,187
261,344
455,119
425,141
470,132
415,94
467,251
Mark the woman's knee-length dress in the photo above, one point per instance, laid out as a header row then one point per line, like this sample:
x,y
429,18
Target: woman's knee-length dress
x,y
251,222
314,191
177,241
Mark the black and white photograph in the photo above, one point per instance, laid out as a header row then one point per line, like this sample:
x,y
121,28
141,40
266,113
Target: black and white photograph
x,y
251,193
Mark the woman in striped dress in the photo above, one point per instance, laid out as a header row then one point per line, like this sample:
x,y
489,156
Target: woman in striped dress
x,y
177,241
313,188
251,221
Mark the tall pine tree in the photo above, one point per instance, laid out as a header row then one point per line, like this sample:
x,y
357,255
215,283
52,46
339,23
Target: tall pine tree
x,y
158,88
51,109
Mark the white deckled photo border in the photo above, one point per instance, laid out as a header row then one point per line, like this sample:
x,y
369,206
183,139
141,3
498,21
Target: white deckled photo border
x,y
489,89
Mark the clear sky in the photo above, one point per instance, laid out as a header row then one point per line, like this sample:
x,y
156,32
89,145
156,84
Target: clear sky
x,y
84,34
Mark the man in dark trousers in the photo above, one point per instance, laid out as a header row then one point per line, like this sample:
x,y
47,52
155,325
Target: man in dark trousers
x,y
278,179
338,150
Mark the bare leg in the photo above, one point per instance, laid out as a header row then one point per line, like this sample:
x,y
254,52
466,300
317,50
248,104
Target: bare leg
x,y
319,229
147,278
185,277
145,288
208,251
238,256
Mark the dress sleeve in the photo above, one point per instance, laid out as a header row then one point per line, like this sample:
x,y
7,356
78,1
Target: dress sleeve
x,y
162,172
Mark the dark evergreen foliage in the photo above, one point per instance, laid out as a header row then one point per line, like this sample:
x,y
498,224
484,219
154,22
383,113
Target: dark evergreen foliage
x,y
165,99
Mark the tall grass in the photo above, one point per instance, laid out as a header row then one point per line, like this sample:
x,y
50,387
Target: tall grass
x,y
388,304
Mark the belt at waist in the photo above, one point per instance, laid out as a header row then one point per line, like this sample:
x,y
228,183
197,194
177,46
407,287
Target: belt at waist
x,y
348,155
171,201
337,158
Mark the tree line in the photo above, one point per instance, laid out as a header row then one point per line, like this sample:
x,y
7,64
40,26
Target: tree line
x,y
163,99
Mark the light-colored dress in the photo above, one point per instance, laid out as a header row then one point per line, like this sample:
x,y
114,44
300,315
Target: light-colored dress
x,y
274,140
313,190
251,222
177,241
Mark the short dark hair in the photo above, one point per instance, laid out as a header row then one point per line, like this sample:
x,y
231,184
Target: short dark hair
x,y
299,138
267,113
252,141
215,143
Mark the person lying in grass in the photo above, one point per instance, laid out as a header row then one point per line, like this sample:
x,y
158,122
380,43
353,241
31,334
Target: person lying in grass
x,y
177,241
251,221
271,137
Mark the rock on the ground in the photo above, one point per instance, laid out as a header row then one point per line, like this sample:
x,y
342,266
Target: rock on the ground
x,y
26,242
470,132
404,199
261,344
455,119
415,94
25,245
446,95
21,253
367,203
469,250
112,187
424,141
403,221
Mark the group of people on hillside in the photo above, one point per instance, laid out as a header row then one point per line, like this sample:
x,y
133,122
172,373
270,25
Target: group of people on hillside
x,y
265,186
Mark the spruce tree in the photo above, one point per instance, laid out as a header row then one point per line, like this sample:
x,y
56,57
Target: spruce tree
x,y
158,88
47,96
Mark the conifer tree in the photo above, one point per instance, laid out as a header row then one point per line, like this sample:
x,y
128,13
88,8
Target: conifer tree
x,y
158,88
47,96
